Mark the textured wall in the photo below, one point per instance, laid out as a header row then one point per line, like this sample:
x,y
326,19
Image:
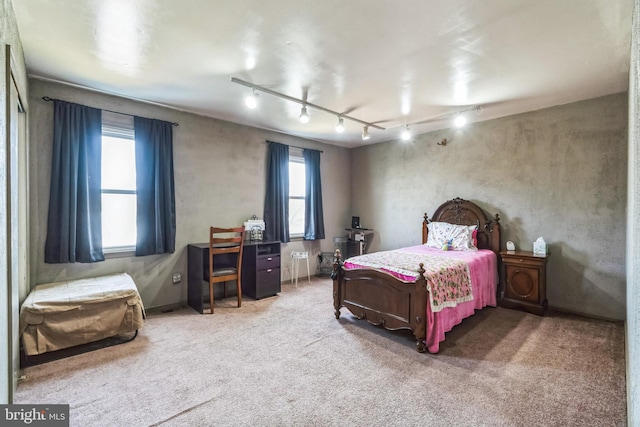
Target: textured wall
x,y
559,173
633,229
219,179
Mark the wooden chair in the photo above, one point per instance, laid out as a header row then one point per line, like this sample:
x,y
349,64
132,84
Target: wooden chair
x,y
225,241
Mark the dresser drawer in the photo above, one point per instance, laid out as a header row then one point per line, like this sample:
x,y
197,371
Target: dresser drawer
x,y
269,283
269,277
268,262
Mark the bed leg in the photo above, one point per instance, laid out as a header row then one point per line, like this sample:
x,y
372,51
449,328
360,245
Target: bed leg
x,y
420,346
336,276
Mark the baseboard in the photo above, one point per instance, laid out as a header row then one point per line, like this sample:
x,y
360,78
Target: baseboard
x,y
582,314
166,308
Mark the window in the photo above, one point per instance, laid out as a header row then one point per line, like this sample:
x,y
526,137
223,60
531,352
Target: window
x,y
296,193
118,183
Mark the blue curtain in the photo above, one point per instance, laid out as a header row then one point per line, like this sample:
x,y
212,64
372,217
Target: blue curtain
x,y
276,202
313,216
155,191
74,224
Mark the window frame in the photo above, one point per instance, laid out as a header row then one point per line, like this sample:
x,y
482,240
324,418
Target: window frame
x,y
119,126
296,156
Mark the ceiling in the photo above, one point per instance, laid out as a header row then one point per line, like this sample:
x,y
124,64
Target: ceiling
x,y
385,62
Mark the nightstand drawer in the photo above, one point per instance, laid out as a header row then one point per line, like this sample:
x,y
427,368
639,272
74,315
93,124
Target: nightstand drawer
x,y
524,261
522,283
268,262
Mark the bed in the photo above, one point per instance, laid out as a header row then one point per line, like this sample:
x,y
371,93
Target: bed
x,y
65,314
401,297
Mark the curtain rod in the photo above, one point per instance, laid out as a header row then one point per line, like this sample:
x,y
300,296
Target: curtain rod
x,y
294,146
46,98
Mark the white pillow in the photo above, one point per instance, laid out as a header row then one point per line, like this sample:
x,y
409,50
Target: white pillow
x,y
461,236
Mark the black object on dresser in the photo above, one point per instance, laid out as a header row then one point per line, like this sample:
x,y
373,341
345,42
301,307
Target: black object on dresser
x,y
261,269
525,279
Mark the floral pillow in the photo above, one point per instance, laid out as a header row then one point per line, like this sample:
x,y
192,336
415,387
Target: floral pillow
x,y
454,237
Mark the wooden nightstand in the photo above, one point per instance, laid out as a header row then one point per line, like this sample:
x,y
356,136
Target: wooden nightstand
x,y
525,281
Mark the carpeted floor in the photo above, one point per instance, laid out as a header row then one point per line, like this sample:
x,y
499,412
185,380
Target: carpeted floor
x,y
286,361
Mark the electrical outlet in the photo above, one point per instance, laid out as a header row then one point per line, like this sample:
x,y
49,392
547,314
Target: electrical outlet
x,y
177,278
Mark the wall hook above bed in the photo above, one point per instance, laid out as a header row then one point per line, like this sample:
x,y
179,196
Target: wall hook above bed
x,y
443,142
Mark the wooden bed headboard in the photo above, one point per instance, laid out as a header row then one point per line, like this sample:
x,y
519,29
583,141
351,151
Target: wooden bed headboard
x,y
463,212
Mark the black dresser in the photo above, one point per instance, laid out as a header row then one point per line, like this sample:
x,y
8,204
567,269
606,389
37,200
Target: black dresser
x,y
261,269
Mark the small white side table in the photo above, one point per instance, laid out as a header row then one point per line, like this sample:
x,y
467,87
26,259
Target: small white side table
x,y
295,265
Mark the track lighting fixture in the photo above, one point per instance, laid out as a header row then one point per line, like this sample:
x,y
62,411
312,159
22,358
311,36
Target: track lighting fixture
x,y
251,100
365,133
304,116
406,133
459,120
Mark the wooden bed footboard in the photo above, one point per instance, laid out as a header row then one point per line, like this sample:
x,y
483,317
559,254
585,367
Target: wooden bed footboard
x,y
371,295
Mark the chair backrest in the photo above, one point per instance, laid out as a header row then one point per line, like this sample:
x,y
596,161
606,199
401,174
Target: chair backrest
x,y
225,241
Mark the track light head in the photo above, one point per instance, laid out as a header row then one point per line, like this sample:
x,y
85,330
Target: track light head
x,y
340,125
304,116
460,120
406,133
365,133
251,100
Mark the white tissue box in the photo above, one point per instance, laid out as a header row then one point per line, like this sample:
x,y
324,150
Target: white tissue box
x,y
540,247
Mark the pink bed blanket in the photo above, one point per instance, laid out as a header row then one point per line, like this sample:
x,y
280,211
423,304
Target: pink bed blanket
x,y
450,307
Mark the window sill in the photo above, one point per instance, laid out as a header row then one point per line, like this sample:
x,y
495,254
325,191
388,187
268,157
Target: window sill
x,y
119,252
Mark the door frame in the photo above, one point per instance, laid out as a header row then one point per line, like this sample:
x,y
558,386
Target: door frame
x,y
17,202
